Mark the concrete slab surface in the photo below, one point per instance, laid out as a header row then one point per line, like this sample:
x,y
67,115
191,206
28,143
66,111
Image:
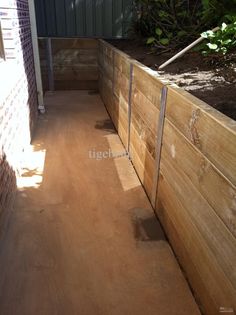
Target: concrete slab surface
x,y
82,237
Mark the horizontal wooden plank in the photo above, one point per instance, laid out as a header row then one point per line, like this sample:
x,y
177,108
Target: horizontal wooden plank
x,y
120,114
200,213
148,83
116,103
210,285
106,79
75,43
211,132
116,112
76,73
68,55
106,95
145,134
107,50
108,57
144,176
121,85
107,69
205,177
75,63
123,106
110,50
122,63
123,135
76,85
100,61
145,109
142,160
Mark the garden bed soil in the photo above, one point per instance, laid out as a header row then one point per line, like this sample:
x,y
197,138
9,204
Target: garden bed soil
x,y
211,79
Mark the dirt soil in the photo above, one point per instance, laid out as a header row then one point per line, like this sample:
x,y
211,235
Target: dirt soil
x,y
209,79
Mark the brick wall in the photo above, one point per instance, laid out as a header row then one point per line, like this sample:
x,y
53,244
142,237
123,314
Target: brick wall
x,y
18,94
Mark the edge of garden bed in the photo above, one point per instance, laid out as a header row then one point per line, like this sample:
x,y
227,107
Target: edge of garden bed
x,y
216,114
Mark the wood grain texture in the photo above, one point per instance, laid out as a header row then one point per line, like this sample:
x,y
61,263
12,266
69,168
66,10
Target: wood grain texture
x,y
75,63
199,264
148,83
77,73
196,205
142,161
210,183
211,132
145,109
196,197
114,76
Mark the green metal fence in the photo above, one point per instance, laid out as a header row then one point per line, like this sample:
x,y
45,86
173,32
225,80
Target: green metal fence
x,y
84,18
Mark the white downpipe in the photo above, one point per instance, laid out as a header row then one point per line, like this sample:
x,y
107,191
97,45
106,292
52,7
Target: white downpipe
x,y
36,56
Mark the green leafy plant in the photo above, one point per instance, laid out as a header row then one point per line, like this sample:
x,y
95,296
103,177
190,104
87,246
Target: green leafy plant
x,y
223,40
170,24
159,39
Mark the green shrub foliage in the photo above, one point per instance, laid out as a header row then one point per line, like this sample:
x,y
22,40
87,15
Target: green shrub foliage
x,y
175,23
222,41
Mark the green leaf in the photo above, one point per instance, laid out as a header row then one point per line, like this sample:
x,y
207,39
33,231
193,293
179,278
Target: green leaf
x,y
224,50
205,52
228,17
224,26
158,31
181,33
208,34
226,42
151,40
212,46
205,4
162,13
164,41
204,35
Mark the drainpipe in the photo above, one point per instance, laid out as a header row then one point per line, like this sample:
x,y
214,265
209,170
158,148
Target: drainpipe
x,y
36,56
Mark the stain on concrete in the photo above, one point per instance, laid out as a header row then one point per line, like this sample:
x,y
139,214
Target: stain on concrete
x,y
106,125
147,227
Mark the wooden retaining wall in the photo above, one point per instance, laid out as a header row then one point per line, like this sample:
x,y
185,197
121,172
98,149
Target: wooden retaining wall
x,y
74,63
114,83
191,181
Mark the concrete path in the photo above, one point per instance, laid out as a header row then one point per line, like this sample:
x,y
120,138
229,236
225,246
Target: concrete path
x,y
82,237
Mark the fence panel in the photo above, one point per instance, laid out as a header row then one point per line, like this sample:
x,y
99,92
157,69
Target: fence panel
x,y
84,18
